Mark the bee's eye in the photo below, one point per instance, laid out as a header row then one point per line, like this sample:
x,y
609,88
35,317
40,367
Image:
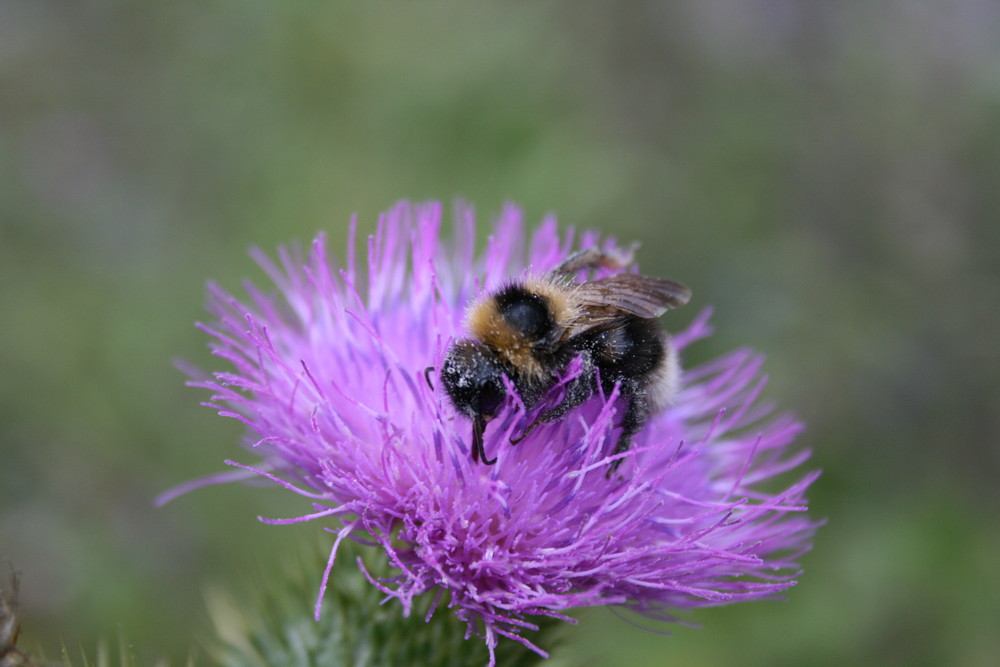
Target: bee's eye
x,y
526,312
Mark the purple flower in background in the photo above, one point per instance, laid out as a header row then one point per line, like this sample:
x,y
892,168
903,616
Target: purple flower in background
x,y
329,377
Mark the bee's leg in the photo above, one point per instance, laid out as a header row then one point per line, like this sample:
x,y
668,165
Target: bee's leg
x,y
593,257
635,418
478,450
578,390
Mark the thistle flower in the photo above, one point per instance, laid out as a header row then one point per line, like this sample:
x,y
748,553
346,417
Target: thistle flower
x,y
328,375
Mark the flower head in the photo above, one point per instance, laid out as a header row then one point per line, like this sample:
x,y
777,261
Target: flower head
x,y
329,376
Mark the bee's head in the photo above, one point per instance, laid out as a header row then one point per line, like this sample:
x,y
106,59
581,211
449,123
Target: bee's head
x,y
473,377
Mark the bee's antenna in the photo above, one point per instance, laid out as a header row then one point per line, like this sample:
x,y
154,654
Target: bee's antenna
x,y
427,376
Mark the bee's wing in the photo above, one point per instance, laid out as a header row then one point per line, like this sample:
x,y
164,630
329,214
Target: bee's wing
x,y
604,302
633,294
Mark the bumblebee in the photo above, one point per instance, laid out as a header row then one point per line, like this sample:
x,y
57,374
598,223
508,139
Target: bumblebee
x,y
530,330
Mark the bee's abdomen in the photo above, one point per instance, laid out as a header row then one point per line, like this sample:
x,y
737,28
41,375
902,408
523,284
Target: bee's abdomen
x,y
632,350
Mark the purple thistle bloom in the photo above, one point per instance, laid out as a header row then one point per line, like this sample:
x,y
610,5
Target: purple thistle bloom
x,y
329,377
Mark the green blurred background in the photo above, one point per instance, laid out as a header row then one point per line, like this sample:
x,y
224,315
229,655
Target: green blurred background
x,y
825,174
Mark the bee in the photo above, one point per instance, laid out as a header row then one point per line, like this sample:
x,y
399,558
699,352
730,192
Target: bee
x,y
530,330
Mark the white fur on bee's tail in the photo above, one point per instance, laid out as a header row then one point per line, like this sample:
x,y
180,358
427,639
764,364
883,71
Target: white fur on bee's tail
x,y
665,379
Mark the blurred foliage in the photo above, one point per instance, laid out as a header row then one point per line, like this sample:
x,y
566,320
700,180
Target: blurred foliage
x,y
824,174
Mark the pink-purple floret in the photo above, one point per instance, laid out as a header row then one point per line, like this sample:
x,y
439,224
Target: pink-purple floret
x,y
328,374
